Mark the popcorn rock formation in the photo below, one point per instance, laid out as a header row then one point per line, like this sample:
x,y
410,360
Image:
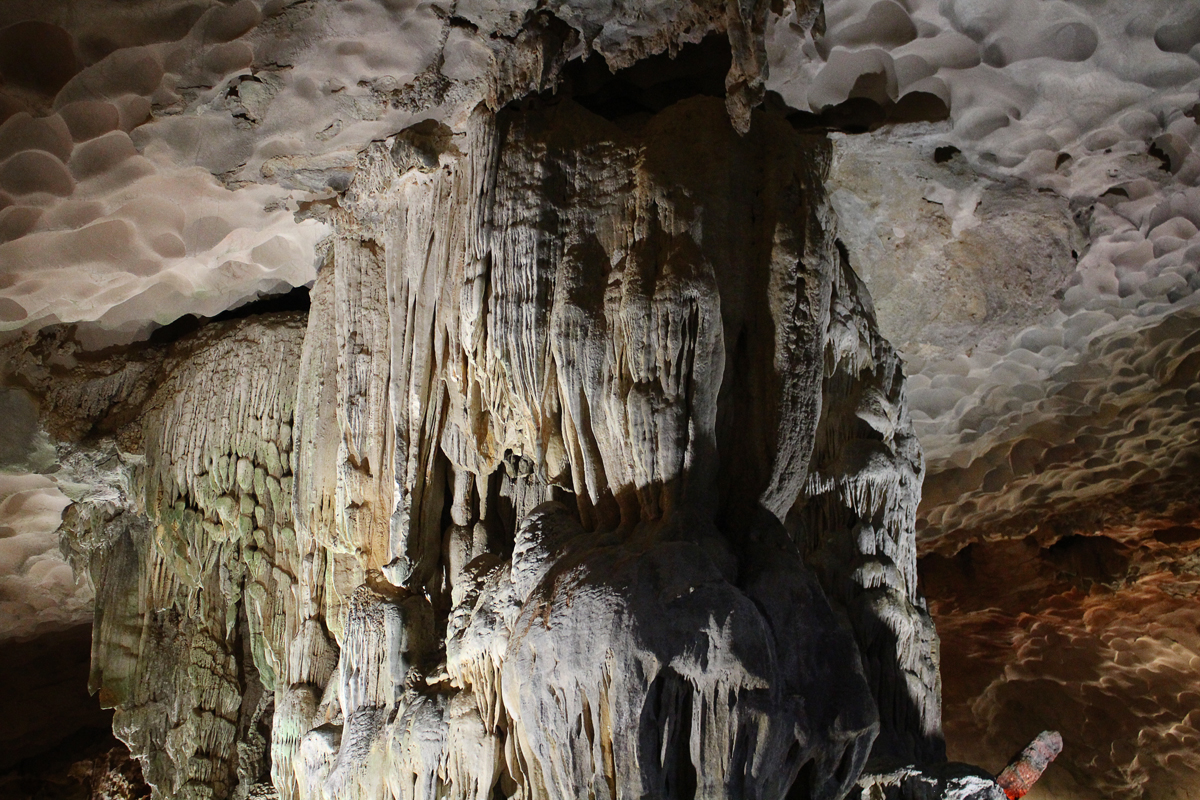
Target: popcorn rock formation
x,y
583,466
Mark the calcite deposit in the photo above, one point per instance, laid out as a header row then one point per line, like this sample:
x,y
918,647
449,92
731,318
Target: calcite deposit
x,y
568,399
588,473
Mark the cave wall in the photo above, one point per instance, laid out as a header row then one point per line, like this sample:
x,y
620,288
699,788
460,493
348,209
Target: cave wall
x,y
587,471
1029,247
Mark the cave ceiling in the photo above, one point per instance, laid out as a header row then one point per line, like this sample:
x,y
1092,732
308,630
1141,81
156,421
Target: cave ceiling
x,y
1015,182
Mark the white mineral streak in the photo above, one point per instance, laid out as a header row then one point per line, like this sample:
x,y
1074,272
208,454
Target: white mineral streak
x,y
364,458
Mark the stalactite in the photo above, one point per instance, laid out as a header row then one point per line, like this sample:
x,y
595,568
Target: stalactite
x,y
588,474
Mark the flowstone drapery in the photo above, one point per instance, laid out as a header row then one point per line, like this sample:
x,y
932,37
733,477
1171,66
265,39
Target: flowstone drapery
x,y
589,476
550,274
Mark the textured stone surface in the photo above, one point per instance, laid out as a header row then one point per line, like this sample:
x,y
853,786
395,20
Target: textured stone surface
x,y
97,768
522,300
1091,633
325,553
189,617
555,331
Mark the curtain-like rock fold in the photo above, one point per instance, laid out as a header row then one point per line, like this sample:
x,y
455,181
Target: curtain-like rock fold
x,y
588,475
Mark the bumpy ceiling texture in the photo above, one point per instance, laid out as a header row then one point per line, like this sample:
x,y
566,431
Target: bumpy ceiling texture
x,y
1017,183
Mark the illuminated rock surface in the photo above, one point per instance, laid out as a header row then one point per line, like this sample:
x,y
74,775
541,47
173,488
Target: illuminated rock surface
x,y
572,455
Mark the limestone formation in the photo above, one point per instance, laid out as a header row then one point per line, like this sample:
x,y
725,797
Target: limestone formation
x,y
588,474
555,415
